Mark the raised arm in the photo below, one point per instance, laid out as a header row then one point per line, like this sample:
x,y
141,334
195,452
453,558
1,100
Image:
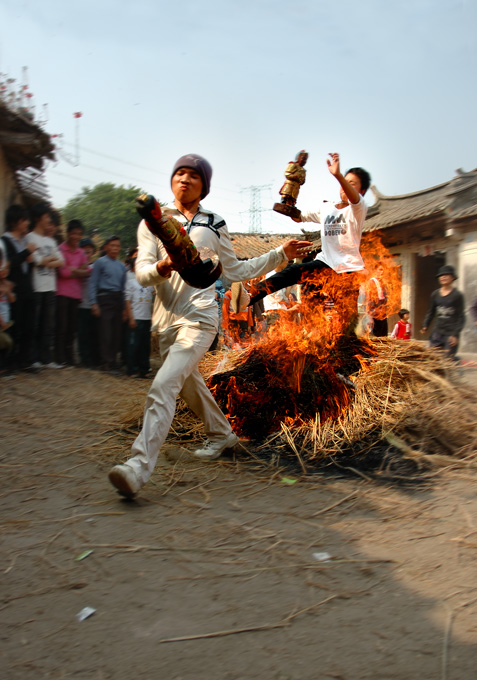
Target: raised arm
x,y
334,167
241,270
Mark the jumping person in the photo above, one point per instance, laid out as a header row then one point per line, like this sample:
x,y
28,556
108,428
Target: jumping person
x,y
186,319
341,228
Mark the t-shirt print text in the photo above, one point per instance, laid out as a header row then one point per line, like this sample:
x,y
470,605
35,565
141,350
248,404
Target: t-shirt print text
x,y
335,226
445,312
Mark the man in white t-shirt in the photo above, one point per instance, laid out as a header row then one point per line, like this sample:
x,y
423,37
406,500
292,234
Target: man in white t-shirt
x,y
46,260
341,228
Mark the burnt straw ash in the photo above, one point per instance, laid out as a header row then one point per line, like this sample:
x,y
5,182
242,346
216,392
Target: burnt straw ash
x,y
266,389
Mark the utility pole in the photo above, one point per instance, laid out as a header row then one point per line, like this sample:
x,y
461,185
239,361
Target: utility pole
x,y
74,158
255,210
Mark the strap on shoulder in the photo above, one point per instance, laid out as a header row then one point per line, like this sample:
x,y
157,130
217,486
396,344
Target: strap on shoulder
x,y
210,225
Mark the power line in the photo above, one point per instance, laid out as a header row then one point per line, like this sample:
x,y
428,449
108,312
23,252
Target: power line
x,y
54,186
135,165
118,160
65,174
132,180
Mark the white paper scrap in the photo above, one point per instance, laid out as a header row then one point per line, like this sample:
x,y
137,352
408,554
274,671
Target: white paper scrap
x,y
85,613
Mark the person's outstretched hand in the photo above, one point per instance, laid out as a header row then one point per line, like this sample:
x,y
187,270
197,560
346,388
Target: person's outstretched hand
x,y
295,248
334,163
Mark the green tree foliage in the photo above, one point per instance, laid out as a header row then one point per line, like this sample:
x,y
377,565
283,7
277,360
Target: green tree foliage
x,y
106,209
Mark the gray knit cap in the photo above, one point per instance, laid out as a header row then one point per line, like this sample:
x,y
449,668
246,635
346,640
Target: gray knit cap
x,y
200,165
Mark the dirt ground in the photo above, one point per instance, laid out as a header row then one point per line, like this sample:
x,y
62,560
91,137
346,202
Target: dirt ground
x,y
217,571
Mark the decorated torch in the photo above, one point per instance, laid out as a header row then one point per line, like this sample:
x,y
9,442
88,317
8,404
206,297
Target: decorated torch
x,y
199,267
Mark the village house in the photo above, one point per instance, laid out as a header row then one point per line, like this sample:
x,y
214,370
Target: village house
x,y
422,230
24,147
425,230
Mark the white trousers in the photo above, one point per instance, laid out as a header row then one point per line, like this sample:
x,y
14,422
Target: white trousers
x,y
181,349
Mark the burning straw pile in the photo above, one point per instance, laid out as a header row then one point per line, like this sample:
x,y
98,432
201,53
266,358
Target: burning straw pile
x,y
381,405
312,394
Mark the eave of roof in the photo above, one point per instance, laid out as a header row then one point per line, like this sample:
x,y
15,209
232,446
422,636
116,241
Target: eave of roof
x,y
389,211
24,143
32,185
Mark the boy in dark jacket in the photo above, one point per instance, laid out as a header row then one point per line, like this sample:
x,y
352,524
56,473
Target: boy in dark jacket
x,y
447,306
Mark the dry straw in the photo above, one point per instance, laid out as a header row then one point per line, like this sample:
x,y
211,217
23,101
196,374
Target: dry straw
x,y
407,402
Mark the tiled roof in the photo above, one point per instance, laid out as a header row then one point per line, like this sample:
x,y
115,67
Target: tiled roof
x,y
391,210
470,211
253,245
442,199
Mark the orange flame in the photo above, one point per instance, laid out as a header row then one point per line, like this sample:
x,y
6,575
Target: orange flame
x,y
375,254
303,367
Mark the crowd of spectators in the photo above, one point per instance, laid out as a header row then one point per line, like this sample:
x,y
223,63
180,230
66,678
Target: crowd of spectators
x,y
61,306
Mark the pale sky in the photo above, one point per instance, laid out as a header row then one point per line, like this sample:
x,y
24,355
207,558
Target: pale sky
x,y
247,84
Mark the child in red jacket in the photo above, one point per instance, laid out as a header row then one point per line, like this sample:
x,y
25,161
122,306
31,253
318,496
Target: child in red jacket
x,y
402,330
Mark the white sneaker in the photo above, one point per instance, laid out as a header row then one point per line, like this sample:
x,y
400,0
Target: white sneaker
x,y
53,364
125,480
37,364
214,449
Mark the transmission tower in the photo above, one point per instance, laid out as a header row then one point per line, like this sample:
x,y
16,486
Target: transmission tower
x,y
255,210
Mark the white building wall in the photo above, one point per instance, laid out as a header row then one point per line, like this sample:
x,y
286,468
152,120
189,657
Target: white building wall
x,y
467,283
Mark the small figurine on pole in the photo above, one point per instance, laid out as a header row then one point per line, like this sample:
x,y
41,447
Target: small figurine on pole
x,y
295,175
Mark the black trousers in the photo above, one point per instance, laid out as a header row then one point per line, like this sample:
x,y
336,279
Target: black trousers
x,y
139,347
66,325
380,328
441,340
110,325
23,317
44,332
311,288
88,338
294,273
